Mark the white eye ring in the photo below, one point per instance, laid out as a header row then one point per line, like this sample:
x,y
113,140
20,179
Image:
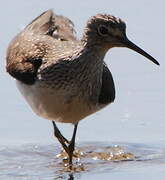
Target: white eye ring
x,y
103,30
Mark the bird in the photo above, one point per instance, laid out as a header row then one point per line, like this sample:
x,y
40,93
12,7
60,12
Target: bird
x,y
65,79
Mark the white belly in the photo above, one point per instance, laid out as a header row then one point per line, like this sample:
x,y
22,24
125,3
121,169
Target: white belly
x,y
55,105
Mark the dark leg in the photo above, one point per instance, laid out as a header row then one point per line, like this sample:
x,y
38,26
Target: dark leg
x,y
60,137
70,148
57,131
71,177
72,144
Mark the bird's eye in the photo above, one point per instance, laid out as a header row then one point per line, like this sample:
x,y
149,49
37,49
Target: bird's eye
x,y
103,30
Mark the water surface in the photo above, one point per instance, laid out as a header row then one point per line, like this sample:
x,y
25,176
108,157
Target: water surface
x,y
137,117
31,161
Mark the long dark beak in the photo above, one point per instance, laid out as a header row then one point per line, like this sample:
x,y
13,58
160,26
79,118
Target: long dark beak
x,y
132,46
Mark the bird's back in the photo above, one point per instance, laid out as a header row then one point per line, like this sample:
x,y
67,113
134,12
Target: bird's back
x,y
44,41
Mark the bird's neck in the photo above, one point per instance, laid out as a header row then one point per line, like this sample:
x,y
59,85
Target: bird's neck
x,y
89,67
95,44
90,55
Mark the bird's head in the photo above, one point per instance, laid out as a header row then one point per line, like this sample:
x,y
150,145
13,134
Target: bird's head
x,y
109,31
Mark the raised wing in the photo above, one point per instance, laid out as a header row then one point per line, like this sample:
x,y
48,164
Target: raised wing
x,y
59,27
27,50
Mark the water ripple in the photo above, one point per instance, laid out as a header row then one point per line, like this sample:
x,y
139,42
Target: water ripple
x,y
35,162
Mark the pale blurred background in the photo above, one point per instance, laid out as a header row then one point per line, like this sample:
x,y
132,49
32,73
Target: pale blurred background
x,y
137,115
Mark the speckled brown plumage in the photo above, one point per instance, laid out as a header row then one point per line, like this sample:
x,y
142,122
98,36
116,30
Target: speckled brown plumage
x,y
62,78
54,57
48,56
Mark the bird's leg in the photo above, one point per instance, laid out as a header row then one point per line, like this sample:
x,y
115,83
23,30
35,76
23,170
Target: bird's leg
x,y
57,131
71,146
60,137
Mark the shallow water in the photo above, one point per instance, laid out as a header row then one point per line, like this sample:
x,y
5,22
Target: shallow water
x,y
34,162
137,115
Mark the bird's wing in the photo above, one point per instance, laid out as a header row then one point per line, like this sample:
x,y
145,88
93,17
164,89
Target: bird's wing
x,y
107,93
57,26
27,50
